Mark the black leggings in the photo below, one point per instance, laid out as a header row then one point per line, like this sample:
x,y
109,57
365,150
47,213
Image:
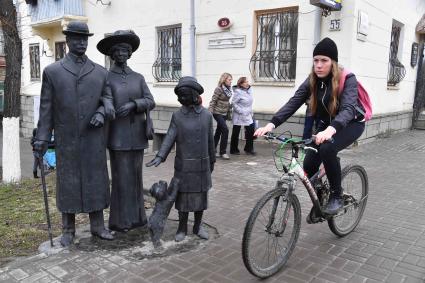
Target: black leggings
x,y
328,155
221,133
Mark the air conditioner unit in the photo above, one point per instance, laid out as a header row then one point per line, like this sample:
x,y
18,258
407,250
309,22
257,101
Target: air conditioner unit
x,y
31,2
331,5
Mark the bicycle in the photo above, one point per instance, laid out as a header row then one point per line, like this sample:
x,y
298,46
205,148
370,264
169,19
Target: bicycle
x,y
269,222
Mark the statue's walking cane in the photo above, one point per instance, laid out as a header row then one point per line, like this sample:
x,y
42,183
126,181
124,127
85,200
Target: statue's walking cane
x,y
46,202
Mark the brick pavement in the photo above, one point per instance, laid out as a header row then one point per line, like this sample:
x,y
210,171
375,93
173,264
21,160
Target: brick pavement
x,y
387,246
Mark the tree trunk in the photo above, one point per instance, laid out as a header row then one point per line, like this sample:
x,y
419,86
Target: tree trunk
x,y
12,88
13,51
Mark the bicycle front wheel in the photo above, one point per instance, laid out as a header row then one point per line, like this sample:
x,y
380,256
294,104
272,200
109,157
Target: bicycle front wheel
x,y
271,233
355,186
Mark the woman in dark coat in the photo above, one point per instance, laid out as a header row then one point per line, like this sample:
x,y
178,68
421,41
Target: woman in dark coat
x,y
339,116
127,136
191,129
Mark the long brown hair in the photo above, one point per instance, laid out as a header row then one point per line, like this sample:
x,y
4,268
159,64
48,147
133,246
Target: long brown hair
x,y
333,102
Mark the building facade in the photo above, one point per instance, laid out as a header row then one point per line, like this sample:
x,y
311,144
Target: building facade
x,y
271,42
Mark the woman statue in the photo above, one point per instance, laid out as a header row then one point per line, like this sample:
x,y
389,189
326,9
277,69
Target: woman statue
x,y
127,138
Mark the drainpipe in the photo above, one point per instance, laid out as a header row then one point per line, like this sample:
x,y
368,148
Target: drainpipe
x,y
317,26
192,39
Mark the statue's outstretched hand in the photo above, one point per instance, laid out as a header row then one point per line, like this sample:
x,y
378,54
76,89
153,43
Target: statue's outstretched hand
x,y
154,162
97,120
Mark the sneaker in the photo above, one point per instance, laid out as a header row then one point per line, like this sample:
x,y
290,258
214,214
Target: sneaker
x,y
334,205
218,155
225,156
251,153
235,152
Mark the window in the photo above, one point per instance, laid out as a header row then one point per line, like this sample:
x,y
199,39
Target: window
x,y
60,50
167,66
396,70
108,60
275,55
35,61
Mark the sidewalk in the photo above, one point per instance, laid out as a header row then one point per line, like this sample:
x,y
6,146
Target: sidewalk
x,y
387,246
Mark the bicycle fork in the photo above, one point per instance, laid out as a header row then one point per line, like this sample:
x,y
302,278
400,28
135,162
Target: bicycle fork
x,y
286,213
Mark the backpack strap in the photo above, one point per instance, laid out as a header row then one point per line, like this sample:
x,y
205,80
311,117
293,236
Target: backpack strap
x,y
342,78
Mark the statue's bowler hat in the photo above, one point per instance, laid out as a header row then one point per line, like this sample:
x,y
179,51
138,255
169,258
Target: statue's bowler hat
x,y
77,28
120,36
189,82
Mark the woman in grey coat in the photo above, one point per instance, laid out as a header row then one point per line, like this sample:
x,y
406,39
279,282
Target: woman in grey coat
x,y
242,116
127,136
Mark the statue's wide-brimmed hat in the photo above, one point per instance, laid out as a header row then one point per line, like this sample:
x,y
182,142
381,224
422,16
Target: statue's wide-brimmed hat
x,y
189,82
120,36
77,28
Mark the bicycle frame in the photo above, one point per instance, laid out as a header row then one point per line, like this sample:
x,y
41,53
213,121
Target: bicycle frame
x,y
296,169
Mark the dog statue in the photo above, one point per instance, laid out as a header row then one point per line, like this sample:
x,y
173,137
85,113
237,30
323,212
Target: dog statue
x,y
165,197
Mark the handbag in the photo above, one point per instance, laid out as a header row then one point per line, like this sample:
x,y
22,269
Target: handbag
x,y
149,126
229,113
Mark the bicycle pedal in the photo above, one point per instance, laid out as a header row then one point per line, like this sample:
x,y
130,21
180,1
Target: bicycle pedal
x,y
313,220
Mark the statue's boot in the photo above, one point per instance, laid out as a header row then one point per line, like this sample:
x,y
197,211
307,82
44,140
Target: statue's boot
x,y
67,239
68,229
182,229
97,226
198,228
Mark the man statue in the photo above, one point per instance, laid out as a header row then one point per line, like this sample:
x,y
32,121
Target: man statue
x,y
69,105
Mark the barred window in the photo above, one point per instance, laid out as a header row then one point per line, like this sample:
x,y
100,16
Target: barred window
x,y
35,61
60,50
108,60
396,70
275,55
168,66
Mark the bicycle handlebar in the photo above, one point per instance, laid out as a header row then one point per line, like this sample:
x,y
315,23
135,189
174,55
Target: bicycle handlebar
x,y
295,143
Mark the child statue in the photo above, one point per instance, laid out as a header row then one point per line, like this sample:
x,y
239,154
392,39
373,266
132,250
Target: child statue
x,y
191,129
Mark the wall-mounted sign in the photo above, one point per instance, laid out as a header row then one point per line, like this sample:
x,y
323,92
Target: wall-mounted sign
x,y
227,41
414,55
224,23
362,26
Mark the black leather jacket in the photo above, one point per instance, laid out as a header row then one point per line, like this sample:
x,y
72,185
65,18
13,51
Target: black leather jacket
x,y
348,102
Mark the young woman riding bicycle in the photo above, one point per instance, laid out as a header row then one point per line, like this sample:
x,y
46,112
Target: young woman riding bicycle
x,y
339,120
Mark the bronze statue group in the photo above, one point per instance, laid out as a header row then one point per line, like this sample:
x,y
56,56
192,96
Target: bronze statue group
x,y
91,109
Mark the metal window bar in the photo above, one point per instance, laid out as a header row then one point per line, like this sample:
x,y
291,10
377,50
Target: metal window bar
x,y
275,56
167,66
396,70
35,61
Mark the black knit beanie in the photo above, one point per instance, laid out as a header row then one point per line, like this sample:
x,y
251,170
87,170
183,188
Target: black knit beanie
x,y
326,47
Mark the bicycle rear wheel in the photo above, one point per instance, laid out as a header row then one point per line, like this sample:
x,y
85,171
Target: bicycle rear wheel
x,y
271,233
355,186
